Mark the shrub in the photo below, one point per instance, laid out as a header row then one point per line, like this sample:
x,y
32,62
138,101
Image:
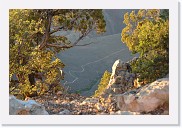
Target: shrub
x,y
147,33
103,84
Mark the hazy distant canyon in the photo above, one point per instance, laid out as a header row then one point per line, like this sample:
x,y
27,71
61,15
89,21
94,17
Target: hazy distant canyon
x,y
86,64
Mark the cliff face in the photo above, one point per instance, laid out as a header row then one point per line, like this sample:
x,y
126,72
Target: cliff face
x,y
122,80
152,98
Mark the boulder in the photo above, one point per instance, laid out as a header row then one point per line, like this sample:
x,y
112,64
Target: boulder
x,y
146,98
30,107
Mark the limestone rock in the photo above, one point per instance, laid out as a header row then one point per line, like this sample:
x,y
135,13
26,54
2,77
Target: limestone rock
x,y
65,112
59,93
121,79
116,65
90,101
30,107
127,113
147,99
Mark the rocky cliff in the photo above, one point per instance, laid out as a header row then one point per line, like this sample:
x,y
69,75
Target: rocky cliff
x,y
125,91
121,80
121,97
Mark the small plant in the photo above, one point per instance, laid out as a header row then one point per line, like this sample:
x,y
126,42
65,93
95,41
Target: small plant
x,y
103,84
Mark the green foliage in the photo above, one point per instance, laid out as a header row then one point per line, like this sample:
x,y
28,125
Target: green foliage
x,y
147,33
103,84
34,45
164,14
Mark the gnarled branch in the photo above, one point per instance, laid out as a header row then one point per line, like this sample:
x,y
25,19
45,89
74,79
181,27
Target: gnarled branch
x,y
47,34
64,24
75,43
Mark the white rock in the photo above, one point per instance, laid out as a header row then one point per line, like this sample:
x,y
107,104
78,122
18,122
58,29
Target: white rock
x,y
147,99
114,67
90,100
128,98
29,107
124,113
59,93
127,113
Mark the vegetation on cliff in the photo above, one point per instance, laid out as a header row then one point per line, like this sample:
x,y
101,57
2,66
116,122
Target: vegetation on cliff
x,y
103,83
147,33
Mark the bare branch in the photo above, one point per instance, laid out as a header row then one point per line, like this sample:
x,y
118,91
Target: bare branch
x,y
56,30
85,44
82,36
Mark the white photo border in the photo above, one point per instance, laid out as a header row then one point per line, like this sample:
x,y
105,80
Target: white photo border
x,y
171,119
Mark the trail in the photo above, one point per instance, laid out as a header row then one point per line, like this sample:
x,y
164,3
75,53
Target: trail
x,y
83,69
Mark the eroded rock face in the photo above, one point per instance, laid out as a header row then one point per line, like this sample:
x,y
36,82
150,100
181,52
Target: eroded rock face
x,y
30,107
145,99
121,79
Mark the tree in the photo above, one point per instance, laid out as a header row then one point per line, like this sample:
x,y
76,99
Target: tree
x,y
103,84
147,33
34,45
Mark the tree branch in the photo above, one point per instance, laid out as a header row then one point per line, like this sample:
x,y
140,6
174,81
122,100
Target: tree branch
x,y
56,30
75,43
64,24
85,44
46,35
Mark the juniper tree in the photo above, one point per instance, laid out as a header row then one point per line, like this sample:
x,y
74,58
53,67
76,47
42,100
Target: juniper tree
x,y
147,33
34,45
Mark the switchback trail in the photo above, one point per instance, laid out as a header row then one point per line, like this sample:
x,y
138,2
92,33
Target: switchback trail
x,y
83,69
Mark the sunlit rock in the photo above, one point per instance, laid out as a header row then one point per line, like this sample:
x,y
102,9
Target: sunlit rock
x,y
30,107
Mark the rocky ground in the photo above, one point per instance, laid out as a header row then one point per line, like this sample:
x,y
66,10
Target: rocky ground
x,y
119,98
74,104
